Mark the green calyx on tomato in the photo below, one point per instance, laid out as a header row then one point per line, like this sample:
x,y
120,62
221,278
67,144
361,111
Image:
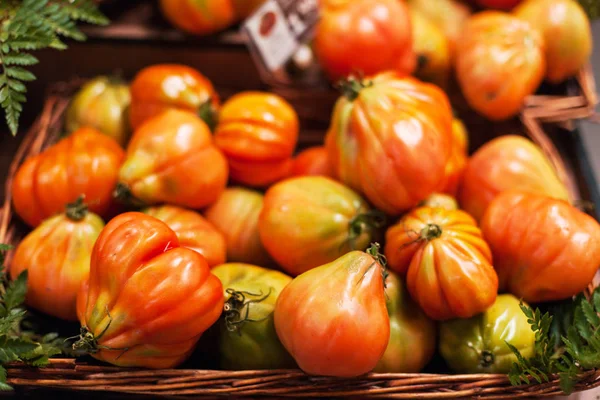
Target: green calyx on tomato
x,y
351,87
431,231
123,195
77,210
237,308
208,114
367,222
373,251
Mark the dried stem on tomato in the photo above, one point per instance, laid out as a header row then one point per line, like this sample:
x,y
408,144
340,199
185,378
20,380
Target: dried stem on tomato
x,y
123,195
77,210
237,308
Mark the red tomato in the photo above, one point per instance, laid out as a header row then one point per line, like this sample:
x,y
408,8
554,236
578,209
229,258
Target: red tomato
x,y
544,249
56,256
160,87
171,159
147,300
200,18
193,232
324,315
507,162
257,132
84,163
499,62
447,263
499,4
312,161
364,36
391,139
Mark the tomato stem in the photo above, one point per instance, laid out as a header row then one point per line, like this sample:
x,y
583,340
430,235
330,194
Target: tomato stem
x,y
77,210
487,358
123,195
366,222
351,87
373,251
208,114
237,308
431,231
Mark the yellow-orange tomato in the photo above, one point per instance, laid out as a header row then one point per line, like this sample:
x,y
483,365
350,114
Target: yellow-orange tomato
x,y
147,300
193,232
364,36
432,49
499,62
56,256
86,163
544,249
390,138
199,17
460,134
458,159
235,214
447,263
159,87
171,159
257,132
507,162
326,314
566,30
312,161
440,200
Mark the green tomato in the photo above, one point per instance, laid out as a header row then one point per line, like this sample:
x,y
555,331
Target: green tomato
x,y
247,338
478,344
101,103
412,333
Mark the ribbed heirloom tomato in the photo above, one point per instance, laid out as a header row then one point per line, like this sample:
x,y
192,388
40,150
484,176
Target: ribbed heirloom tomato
x,y
193,232
172,159
56,256
544,249
148,300
499,61
257,132
432,50
86,163
459,157
364,36
447,264
312,161
159,87
390,138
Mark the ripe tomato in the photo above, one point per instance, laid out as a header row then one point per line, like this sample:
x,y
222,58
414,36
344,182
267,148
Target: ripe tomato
x,y
499,4
440,200
478,344
85,163
312,220
248,339
312,161
257,132
171,159
324,315
56,256
460,135
159,87
432,49
439,251
458,159
499,62
235,215
544,249
364,36
412,334
200,18
101,103
567,32
193,232
507,162
147,300
390,138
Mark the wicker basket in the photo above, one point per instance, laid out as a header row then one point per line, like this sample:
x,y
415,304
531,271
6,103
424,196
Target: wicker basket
x,y
81,376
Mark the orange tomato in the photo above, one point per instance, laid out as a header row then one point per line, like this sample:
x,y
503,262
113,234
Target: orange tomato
x,y
159,87
199,18
544,249
432,49
257,132
567,33
235,215
458,159
171,159
440,200
56,256
364,36
85,163
193,232
499,62
390,138
507,162
447,264
147,300
324,315
312,161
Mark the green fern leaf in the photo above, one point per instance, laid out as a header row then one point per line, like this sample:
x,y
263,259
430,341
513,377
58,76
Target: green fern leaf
x,y
22,59
4,387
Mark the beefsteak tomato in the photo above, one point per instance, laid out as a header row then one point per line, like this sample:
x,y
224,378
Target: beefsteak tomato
x,y
458,159
390,138
324,315
438,251
312,220
499,62
193,232
85,163
507,162
147,300
312,161
248,339
440,200
199,17
171,159
432,49
257,132
544,249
